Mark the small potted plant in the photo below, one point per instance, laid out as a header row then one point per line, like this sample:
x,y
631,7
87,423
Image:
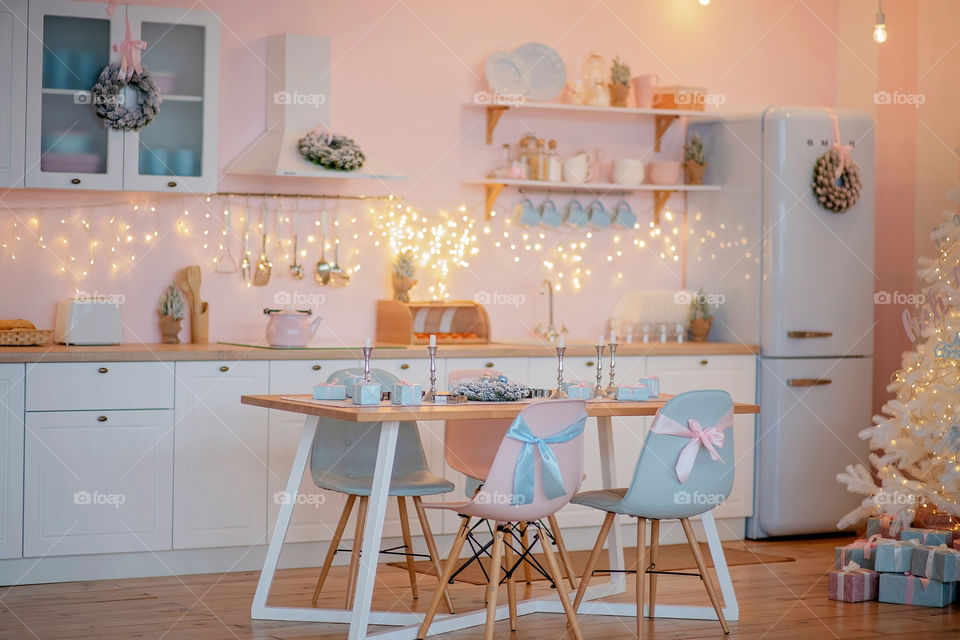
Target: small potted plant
x,y
694,163
171,310
701,318
619,85
403,272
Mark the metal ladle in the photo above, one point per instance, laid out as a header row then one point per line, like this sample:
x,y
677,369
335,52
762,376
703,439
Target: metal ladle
x,y
296,269
338,276
322,272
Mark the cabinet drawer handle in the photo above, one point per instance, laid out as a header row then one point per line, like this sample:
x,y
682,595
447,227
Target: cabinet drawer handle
x,y
102,419
316,367
75,181
808,382
404,366
704,362
489,365
590,363
102,370
224,368
171,184
809,334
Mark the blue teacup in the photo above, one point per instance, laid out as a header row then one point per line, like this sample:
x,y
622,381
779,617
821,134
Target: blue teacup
x,y
549,215
526,214
576,216
599,216
154,162
184,162
57,73
624,216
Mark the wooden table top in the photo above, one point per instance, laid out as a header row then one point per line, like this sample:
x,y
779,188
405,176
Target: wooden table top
x,y
346,410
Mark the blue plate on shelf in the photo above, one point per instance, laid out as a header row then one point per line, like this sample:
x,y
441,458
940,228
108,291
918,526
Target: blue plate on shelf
x,y
506,73
545,73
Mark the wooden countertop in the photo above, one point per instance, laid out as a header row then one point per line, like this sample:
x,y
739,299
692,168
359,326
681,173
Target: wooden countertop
x,y
216,351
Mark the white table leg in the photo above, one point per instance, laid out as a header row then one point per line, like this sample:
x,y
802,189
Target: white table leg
x,y
608,474
258,609
731,609
373,531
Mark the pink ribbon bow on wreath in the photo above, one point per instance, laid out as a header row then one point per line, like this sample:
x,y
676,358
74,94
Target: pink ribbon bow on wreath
x,y
709,438
111,7
129,50
844,149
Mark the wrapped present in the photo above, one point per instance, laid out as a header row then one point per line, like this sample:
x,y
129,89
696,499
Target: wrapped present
x,y
931,537
329,391
894,556
880,526
633,393
853,584
859,551
578,390
909,589
350,382
366,393
652,383
931,517
956,545
406,393
937,563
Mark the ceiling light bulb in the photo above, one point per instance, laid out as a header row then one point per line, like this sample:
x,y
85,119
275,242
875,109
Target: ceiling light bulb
x,y
880,28
704,3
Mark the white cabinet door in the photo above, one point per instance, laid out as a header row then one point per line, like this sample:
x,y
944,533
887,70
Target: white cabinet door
x,y
97,482
13,89
737,375
220,457
66,144
11,460
178,150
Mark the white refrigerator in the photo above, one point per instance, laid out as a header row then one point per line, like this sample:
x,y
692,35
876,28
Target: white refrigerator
x,y
797,280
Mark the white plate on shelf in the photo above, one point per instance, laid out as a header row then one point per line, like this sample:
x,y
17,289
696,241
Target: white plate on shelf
x,y
545,72
505,73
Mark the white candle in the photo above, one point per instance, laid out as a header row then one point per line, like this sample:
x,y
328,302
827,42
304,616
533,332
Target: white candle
x,y
367,343
600,341
433,340
560,341
613,336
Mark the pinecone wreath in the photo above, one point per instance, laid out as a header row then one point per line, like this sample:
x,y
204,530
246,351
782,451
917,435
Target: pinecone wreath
x,y
331,150
836,181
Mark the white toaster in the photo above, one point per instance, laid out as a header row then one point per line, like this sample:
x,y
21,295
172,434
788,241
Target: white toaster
x,y
88,321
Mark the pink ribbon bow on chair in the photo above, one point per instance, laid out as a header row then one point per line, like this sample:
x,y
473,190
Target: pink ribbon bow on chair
x,y
844,149
129,50
709,438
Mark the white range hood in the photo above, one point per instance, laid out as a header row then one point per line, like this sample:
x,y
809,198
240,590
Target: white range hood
x,y
298,99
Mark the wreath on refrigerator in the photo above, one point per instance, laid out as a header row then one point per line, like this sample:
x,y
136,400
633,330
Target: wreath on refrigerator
x,y
108,101
836,180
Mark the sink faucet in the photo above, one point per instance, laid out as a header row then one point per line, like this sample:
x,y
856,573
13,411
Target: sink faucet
x,y
551,332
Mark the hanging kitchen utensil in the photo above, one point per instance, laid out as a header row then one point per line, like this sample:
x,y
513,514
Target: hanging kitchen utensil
x,y
262,274
338,276
245,262
225,261
296,269
322,272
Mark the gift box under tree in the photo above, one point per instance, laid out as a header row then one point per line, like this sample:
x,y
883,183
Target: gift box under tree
x,y
894,556
931,537
897,588
853,584
861,552
937,563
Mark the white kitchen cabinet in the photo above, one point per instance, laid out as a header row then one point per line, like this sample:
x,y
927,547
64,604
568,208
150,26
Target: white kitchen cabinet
x,y
220,456
13,88
737,375
516,369
97,482
99,386
11,460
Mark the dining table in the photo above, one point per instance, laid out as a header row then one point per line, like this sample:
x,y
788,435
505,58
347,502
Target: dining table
x,y
404,625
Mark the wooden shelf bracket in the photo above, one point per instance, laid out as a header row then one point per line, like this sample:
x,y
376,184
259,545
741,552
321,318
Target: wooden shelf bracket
x,y
660,124
659,202
492,191
494,111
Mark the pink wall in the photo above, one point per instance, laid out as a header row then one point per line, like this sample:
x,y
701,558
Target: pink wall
x,y
401,74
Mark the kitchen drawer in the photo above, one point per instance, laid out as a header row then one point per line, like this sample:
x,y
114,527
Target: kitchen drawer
x,y
412,370
100,386
299,376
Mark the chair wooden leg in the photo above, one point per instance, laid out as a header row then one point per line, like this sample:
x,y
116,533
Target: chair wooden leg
x,y
445,577
702,566
511,583
494,582
641,568
408,544
562,548
561,591
527,577
592,560
654,547
355,554
431,544
334,543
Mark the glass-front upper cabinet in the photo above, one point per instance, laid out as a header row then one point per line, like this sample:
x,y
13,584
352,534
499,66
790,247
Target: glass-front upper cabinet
x,y
13,87
178,150
66,144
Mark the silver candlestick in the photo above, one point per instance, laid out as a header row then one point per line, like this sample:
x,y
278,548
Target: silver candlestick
x,y
432,350
367,351
611,389
598,391
559,392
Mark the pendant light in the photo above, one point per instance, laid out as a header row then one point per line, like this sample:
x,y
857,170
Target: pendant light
x,y
880,26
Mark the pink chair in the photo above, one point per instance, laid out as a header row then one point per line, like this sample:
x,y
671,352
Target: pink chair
x,y
470,447
537,469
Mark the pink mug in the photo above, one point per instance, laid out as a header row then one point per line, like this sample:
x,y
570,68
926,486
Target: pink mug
x,y
644,88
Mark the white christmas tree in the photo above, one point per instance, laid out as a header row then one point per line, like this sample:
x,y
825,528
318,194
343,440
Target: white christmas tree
x,y
916,442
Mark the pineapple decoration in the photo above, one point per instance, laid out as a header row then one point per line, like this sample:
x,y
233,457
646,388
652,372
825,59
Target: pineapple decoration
x,y
403,272
619,86
171,310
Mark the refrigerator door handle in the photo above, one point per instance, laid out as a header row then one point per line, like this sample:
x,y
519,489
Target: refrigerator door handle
x,y
809,334
808,382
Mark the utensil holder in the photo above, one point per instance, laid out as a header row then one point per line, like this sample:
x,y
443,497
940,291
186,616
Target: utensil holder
x,y
200,325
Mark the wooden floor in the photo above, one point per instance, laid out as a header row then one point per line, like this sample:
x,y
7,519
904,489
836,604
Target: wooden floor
x,y
780,600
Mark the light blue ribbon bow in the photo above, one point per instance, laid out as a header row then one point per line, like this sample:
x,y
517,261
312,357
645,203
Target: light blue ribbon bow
x,y
524,477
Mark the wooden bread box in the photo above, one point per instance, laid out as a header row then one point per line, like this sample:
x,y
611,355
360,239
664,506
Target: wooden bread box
x,y
456,322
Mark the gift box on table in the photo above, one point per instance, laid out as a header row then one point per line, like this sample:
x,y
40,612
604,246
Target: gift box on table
x,y
329,391
853,584
880,526
931,537
633,393
366,393
578,390
406,393
894,556
908,589
937,563
862,552
652,383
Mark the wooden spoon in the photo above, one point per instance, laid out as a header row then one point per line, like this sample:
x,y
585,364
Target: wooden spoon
x,y
181,279
193,281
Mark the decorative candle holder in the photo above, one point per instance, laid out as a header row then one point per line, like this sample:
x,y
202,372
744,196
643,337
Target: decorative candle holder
x,y
366,362
431,395
611,389
559,393
598,391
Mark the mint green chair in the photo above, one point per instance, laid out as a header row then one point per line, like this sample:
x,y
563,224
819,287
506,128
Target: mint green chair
x,y
343,458
677,477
